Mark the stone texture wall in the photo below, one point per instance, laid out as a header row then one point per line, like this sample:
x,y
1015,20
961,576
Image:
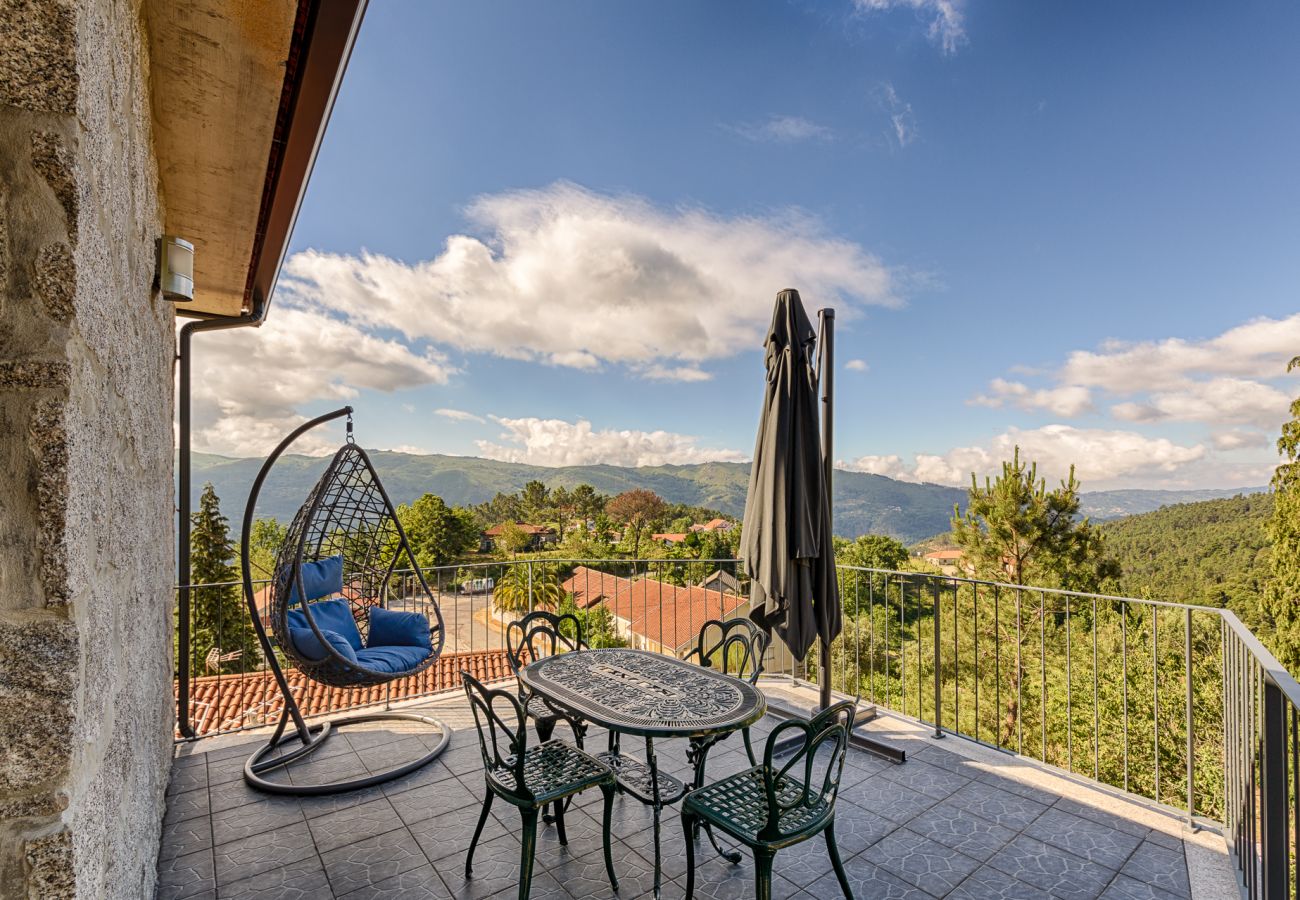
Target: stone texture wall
x,y
86,529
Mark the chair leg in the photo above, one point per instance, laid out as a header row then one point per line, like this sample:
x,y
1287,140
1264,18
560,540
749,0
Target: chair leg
x,y
608,791
749,747
545,726
833,849
688,829
527,849
558,809
482,820
763,874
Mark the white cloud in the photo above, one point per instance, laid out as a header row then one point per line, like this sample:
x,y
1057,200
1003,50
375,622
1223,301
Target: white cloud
x,y
900,113
459,415
783,130
408,448
891,466
1239,438
248,384
675,373
1260,348
947,26
857,365
573,278
1226,401
555,442
1102,458
1068,400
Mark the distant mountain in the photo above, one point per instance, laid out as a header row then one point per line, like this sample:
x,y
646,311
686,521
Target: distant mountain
x,y
1102,505
863,503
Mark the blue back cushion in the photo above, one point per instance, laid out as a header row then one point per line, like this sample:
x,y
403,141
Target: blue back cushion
x,y
306,643
322,578
395,660
329,615
391,628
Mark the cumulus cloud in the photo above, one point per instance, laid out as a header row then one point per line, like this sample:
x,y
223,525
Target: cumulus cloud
x,y
248,384
1260,348
569,277
947,19
555,442
1069,400
1219,400
857,365
1102,457
783,130
459,415
901,117
1239,438
891,466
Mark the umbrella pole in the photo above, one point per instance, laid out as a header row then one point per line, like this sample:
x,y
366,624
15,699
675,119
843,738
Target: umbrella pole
x,y
826,356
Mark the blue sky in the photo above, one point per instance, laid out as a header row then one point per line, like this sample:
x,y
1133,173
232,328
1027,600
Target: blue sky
x,y
563,225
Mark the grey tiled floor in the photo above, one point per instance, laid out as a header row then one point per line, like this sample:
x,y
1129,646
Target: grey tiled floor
x,y
934,827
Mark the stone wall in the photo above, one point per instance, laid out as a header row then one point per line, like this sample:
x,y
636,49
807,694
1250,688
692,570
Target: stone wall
x,y
86,529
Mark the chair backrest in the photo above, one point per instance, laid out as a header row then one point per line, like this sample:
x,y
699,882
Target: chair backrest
x,y
786,792
734,647
542,633
503,744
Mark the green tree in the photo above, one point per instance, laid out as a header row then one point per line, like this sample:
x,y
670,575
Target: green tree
x,y
439,534
563,509
587,502
513,539
536,501
637,511
523,588
264,543
871,551
1282,598
1016,530
219,618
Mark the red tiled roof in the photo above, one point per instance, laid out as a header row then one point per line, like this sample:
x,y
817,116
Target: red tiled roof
x,y
225,702
663,613
670,537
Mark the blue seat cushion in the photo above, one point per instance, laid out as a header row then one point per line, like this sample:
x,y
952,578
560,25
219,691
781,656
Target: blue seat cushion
x,y
392,659
393,628
329,615
307,644
322,578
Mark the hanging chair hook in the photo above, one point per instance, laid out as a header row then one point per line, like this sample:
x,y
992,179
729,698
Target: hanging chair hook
x,y
351,440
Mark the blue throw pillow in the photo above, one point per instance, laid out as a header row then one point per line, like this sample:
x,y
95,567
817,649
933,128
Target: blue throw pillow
x,y
306,643
390,628
329,615
322,578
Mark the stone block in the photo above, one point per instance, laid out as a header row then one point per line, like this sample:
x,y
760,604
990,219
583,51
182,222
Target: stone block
x,y
53,161
56,273
50,875
38,55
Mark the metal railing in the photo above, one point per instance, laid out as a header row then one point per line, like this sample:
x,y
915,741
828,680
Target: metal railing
x,y
1173,702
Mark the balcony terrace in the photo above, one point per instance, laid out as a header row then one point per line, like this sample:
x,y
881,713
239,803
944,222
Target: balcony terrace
x,y
970,814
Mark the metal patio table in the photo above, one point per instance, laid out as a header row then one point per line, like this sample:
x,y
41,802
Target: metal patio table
x,y
635,692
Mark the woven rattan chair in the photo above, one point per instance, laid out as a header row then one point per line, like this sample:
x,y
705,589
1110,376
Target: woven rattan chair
x,y
530,778
768,808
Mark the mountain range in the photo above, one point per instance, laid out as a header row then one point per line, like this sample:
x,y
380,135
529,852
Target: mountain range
x,y
863,503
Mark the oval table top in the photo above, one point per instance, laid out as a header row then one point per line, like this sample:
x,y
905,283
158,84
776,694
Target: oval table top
x,y
643,693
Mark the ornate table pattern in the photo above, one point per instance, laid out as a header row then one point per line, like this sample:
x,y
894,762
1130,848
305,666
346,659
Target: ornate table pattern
x,y
646,694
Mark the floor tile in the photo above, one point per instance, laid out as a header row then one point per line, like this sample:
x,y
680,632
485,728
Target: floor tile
x,y
1051,869
258,853
868,882
1161,867
422,883
302,880
1083,837
356,823
186,876
933,781
997,806
920,861
888,798
987,883
254,818
372,860
954,827
1126,888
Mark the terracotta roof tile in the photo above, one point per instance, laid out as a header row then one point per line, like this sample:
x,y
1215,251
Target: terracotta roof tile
x,y
227,702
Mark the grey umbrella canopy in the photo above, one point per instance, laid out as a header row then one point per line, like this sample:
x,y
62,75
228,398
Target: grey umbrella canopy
x,y
786,540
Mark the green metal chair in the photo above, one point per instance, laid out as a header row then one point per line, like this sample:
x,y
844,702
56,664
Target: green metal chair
x,y
767,808
734,647
538,634
530,778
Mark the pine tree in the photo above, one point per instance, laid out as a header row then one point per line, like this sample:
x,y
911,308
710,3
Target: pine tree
x,y
219,618
1282,599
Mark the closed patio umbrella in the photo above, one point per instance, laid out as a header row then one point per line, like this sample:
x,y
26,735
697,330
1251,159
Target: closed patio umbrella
x,y
786,540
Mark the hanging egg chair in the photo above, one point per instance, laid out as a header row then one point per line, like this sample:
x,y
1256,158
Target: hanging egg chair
x,y
337,610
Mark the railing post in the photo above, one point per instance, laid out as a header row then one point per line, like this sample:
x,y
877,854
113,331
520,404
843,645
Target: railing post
x,y
1273,840
938,681
530,586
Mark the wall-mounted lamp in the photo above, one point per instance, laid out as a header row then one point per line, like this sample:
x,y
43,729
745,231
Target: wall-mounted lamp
x,y
176,268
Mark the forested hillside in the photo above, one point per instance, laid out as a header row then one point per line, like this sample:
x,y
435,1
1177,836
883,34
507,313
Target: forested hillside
x,y
1213,553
